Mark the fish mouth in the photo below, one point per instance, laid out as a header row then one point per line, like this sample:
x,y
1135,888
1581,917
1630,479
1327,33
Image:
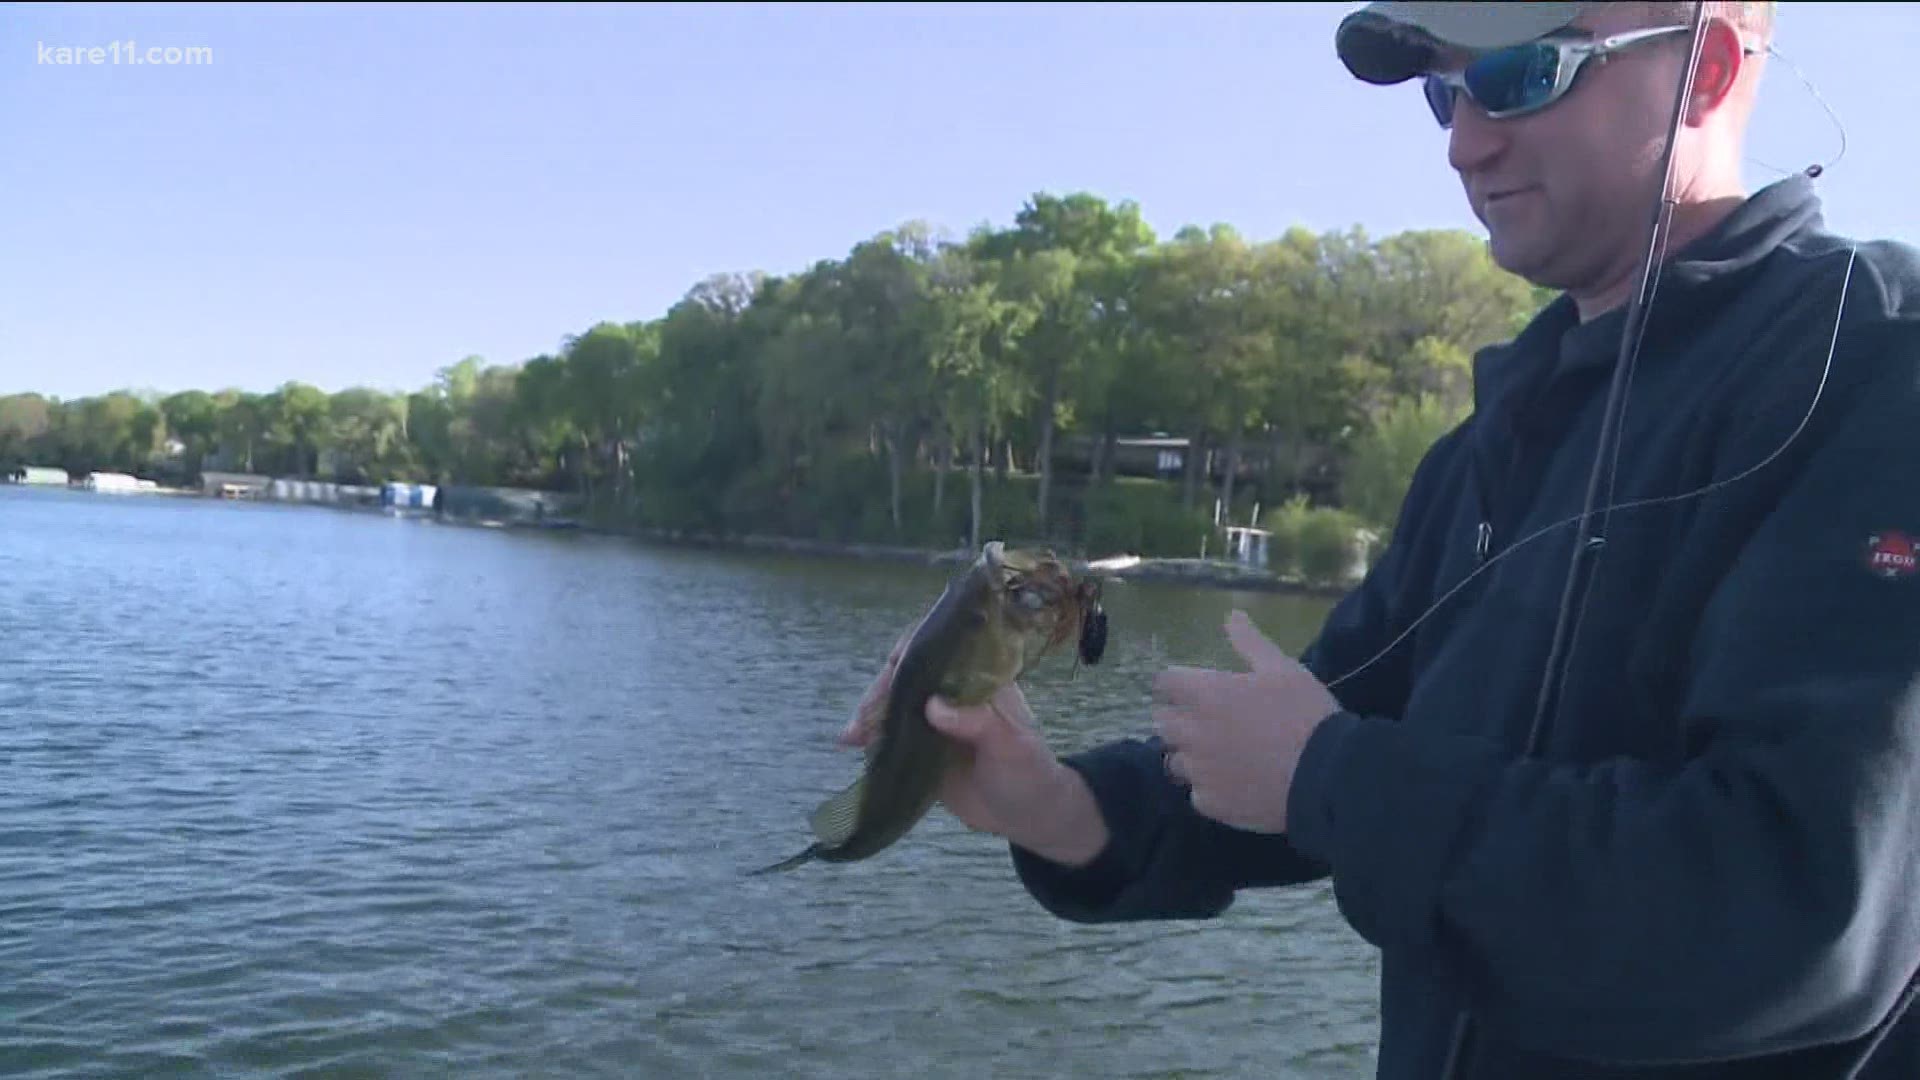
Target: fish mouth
x,y
994,554
1044,601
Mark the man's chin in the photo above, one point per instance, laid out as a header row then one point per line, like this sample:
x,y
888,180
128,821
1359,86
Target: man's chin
x,y
1522,260
1509,253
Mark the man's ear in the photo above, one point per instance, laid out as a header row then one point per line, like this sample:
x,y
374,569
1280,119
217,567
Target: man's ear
x,y
1722,57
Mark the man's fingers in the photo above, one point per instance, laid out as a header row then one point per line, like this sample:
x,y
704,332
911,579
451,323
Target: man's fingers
x,y
876,691
860,727
1176,765
1171,724
1203,804
900,646
857,732
1192,689
866,712
1178,684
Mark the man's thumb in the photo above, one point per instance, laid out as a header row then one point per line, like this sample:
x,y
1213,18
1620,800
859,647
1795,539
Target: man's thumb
x,y
967,725
1251,644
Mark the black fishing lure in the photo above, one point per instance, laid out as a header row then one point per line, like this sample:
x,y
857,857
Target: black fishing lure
x,y
1093,635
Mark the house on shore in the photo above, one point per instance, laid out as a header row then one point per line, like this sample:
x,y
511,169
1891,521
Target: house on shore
x,y
39,476
115,483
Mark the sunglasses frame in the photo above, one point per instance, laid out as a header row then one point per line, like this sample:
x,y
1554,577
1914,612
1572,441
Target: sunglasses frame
x,y
1443,88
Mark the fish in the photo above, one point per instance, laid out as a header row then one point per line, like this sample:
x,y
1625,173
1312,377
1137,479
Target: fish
x,y
994,621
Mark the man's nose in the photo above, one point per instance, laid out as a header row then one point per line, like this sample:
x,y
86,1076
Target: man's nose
x,y
1474,140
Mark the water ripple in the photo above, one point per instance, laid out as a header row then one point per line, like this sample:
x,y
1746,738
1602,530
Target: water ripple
x,y
314,794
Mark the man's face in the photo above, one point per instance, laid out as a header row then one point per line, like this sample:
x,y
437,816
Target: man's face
x,y
1566,193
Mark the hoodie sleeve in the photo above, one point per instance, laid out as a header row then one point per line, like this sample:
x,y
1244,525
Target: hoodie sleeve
x,y
1164,860
1755,897
1167,861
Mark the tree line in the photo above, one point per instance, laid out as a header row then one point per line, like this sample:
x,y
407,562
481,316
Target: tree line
x,y
922,388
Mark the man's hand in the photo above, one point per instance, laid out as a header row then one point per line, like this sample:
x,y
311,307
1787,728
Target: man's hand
x,y
1009,783
1234,738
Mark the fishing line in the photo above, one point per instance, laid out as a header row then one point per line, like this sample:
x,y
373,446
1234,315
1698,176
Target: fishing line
x,y
1819,388
1635,504
1666,235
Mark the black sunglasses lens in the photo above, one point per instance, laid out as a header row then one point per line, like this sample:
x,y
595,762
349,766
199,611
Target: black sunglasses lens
x,y
1440,100
1518,78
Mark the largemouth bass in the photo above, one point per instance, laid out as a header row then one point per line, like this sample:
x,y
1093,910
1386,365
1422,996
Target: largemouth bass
x,y
994,621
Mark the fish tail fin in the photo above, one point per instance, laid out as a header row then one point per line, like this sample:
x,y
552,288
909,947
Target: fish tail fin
x,y
789,863
834,821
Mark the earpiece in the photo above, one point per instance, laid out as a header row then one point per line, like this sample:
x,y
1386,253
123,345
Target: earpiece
x,y
1839,128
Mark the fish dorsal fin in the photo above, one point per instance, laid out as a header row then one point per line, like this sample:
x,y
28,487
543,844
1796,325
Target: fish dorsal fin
x,y
835,819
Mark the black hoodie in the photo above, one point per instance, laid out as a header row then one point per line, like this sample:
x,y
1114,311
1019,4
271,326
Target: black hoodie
x,y
1716,854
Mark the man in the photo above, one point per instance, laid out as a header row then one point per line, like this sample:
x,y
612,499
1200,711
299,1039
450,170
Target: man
x,y
1711,866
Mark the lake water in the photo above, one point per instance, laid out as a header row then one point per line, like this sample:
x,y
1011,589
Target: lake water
x,y
292,791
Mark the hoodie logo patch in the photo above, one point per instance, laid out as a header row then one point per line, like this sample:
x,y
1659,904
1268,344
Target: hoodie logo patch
x,y
1892,554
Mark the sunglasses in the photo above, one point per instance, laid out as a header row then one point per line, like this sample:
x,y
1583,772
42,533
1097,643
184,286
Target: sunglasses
x,y
1526,78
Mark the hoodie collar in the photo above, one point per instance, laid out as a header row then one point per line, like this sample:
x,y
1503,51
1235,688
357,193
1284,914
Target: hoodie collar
x,y
1686,289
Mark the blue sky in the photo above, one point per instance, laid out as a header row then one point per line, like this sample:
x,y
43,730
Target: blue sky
x,y
362,194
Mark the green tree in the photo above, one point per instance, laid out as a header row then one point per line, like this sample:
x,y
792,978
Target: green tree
x,y
1308,370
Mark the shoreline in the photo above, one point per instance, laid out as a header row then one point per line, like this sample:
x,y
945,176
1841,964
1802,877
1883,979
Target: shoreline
x,y
1190,572
1185,572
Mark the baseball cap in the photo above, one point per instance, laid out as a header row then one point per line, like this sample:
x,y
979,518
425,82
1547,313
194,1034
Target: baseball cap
x,y
1386,43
